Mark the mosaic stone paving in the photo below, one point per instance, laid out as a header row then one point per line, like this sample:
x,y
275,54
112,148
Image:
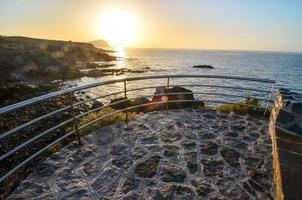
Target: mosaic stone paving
x,y
179,154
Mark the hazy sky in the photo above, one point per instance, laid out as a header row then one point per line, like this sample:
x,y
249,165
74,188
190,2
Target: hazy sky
x,y
205,24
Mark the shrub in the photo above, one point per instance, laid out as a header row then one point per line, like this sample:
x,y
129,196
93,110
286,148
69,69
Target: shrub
x,y
245,106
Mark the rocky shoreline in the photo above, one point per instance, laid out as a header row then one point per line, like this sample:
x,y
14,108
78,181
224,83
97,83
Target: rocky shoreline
x,y
31,67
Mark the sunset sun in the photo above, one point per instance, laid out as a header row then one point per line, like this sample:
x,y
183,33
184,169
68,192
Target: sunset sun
x,y
119,28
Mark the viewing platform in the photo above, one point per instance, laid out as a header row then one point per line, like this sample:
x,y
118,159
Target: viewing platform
x,y
239,139
176,154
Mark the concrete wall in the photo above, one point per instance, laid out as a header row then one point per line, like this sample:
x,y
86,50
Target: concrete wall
x,y
286,133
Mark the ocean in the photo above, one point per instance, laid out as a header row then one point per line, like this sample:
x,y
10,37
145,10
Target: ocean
x,y
285,68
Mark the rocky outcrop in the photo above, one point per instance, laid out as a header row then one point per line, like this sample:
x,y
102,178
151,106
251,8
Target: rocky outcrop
x,y
111,71
31,59
97,65
162,94
203,66
100,43
28,61
175,93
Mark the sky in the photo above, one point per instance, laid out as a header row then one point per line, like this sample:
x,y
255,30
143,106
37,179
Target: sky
x,y
271,25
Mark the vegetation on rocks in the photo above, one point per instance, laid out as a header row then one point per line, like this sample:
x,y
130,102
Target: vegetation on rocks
x,y
247,106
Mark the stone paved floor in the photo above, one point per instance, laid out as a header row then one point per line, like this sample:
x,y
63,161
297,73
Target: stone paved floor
x,y
182,154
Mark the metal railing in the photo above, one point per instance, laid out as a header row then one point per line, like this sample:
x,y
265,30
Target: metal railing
x,y
265,97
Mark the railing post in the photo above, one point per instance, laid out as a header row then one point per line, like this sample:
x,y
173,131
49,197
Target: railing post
x,y
268,99
209,91
167,89
125,95
75,121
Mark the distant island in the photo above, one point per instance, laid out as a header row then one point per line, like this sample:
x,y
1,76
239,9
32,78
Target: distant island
x,y
100,44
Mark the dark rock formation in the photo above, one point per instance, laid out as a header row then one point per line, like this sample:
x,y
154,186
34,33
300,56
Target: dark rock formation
x,y
96,104
139,101
97,72
119,103
203,66
185,95
151,105
134,102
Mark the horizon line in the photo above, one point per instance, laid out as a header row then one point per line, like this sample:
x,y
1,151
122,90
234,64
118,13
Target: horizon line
x,y
168,48
213,49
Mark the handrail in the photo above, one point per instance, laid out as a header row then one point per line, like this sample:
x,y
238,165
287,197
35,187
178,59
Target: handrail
x,y
33,121
75,118
35,155
130,90
87,86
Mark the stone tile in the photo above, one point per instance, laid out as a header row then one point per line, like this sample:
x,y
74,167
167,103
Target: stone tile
x,y
172,173
148,167
107,183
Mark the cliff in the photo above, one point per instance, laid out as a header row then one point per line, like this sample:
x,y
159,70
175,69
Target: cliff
x,y
23,59
28,65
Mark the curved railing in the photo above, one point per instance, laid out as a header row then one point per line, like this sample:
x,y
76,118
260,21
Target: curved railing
x,y
264,96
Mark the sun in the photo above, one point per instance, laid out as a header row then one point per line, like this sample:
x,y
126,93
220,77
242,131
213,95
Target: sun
x,y
118,27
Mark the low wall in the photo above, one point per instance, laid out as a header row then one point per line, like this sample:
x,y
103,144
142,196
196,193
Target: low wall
x,y
286,134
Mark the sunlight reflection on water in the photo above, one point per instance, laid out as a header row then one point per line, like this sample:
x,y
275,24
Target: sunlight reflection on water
x,y
285,68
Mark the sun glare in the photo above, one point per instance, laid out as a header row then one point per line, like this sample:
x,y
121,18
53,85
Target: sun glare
x,y
118,28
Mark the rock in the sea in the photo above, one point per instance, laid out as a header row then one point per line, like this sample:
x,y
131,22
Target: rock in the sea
x,y
203,66
148,168
104,72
